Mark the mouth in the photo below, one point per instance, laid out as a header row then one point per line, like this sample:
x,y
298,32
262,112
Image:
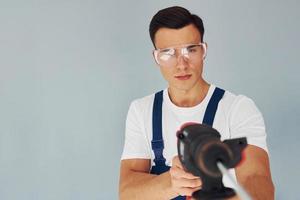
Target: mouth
x,y
183,77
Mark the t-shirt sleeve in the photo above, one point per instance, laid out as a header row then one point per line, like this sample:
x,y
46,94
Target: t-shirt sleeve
x,y
247,121
135,145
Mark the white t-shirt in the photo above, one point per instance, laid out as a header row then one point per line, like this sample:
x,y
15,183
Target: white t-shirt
x,y
236,116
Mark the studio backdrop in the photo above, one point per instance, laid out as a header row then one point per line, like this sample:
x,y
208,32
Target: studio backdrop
x,y
69,70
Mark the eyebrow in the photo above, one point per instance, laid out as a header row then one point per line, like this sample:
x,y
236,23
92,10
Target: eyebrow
x,y
165,49
192,45
169,48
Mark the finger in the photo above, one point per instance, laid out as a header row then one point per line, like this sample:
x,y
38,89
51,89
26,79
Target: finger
x,y
176,162
180,173
190,183
188,175
196,188
185,191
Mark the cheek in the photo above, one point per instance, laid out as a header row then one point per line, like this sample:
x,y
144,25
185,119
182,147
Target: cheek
x,y
197,67
166,72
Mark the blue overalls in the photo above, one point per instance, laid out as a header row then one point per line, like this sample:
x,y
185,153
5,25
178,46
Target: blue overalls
x,y
157,142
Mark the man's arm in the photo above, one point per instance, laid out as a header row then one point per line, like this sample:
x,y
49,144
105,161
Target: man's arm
x,y
254,173
137,183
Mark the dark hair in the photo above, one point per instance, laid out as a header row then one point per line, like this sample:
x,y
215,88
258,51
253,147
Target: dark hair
x,y
174,17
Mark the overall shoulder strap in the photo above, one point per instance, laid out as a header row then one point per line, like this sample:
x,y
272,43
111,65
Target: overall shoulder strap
x,y
157,142
212,106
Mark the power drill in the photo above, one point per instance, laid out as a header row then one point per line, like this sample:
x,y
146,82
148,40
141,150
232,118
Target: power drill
x,y
200,149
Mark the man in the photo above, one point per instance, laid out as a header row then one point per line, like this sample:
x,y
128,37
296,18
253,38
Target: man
x,y
150,168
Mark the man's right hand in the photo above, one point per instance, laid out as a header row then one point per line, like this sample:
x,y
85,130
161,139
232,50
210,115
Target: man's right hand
x,y
182,182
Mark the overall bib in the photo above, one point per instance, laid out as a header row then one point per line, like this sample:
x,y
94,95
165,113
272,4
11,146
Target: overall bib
x,y
157,143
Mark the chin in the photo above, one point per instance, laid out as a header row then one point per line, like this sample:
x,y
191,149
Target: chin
x,y
182,87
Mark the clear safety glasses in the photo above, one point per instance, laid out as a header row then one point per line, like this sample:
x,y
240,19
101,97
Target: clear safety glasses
x,y
169,56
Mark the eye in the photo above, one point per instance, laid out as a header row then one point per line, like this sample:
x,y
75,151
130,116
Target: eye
x,y
164,57
167,52
192,49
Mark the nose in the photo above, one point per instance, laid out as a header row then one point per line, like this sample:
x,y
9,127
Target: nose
x,y
182,62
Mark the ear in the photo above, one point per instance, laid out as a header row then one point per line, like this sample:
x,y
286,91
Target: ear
x,y
206,46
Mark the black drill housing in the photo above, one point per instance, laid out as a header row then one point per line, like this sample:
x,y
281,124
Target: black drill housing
x,y
199,149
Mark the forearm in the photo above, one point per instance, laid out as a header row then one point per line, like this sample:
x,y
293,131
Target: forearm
x,y
139,185
259,187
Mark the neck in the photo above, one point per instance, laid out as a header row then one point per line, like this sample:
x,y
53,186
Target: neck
x,y
191,97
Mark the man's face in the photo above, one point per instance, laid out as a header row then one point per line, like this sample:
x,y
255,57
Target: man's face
x,y
186,73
